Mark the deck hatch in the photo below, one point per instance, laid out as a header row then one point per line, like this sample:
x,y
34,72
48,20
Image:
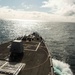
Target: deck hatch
x,y
10,68
32,47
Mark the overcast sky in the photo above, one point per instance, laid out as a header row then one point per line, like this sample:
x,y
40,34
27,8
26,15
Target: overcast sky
x,y
52,10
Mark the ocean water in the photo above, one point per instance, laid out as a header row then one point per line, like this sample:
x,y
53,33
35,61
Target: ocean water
x,y
59,38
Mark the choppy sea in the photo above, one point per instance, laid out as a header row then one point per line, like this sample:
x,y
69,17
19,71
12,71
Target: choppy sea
x,y
59,38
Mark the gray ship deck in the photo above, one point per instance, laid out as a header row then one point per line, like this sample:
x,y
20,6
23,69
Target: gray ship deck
x,y
36,58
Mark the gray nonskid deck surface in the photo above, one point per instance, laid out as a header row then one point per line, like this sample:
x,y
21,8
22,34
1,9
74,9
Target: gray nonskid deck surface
x,y
32,57
36,57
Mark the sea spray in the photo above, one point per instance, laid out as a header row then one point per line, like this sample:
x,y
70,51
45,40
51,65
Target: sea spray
x,y
61,68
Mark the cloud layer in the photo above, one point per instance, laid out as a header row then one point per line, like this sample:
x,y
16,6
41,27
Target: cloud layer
x,y
60,7
8,13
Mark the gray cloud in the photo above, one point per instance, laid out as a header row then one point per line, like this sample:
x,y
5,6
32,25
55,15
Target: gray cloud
x,y
60,7
70,13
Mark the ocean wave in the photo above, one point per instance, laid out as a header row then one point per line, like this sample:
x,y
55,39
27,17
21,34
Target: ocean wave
x,y
61,68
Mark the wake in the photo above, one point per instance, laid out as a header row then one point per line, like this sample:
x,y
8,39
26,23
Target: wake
x,y
61,68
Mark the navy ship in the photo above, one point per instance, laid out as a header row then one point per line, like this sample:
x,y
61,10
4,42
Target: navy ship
x,y
26,55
